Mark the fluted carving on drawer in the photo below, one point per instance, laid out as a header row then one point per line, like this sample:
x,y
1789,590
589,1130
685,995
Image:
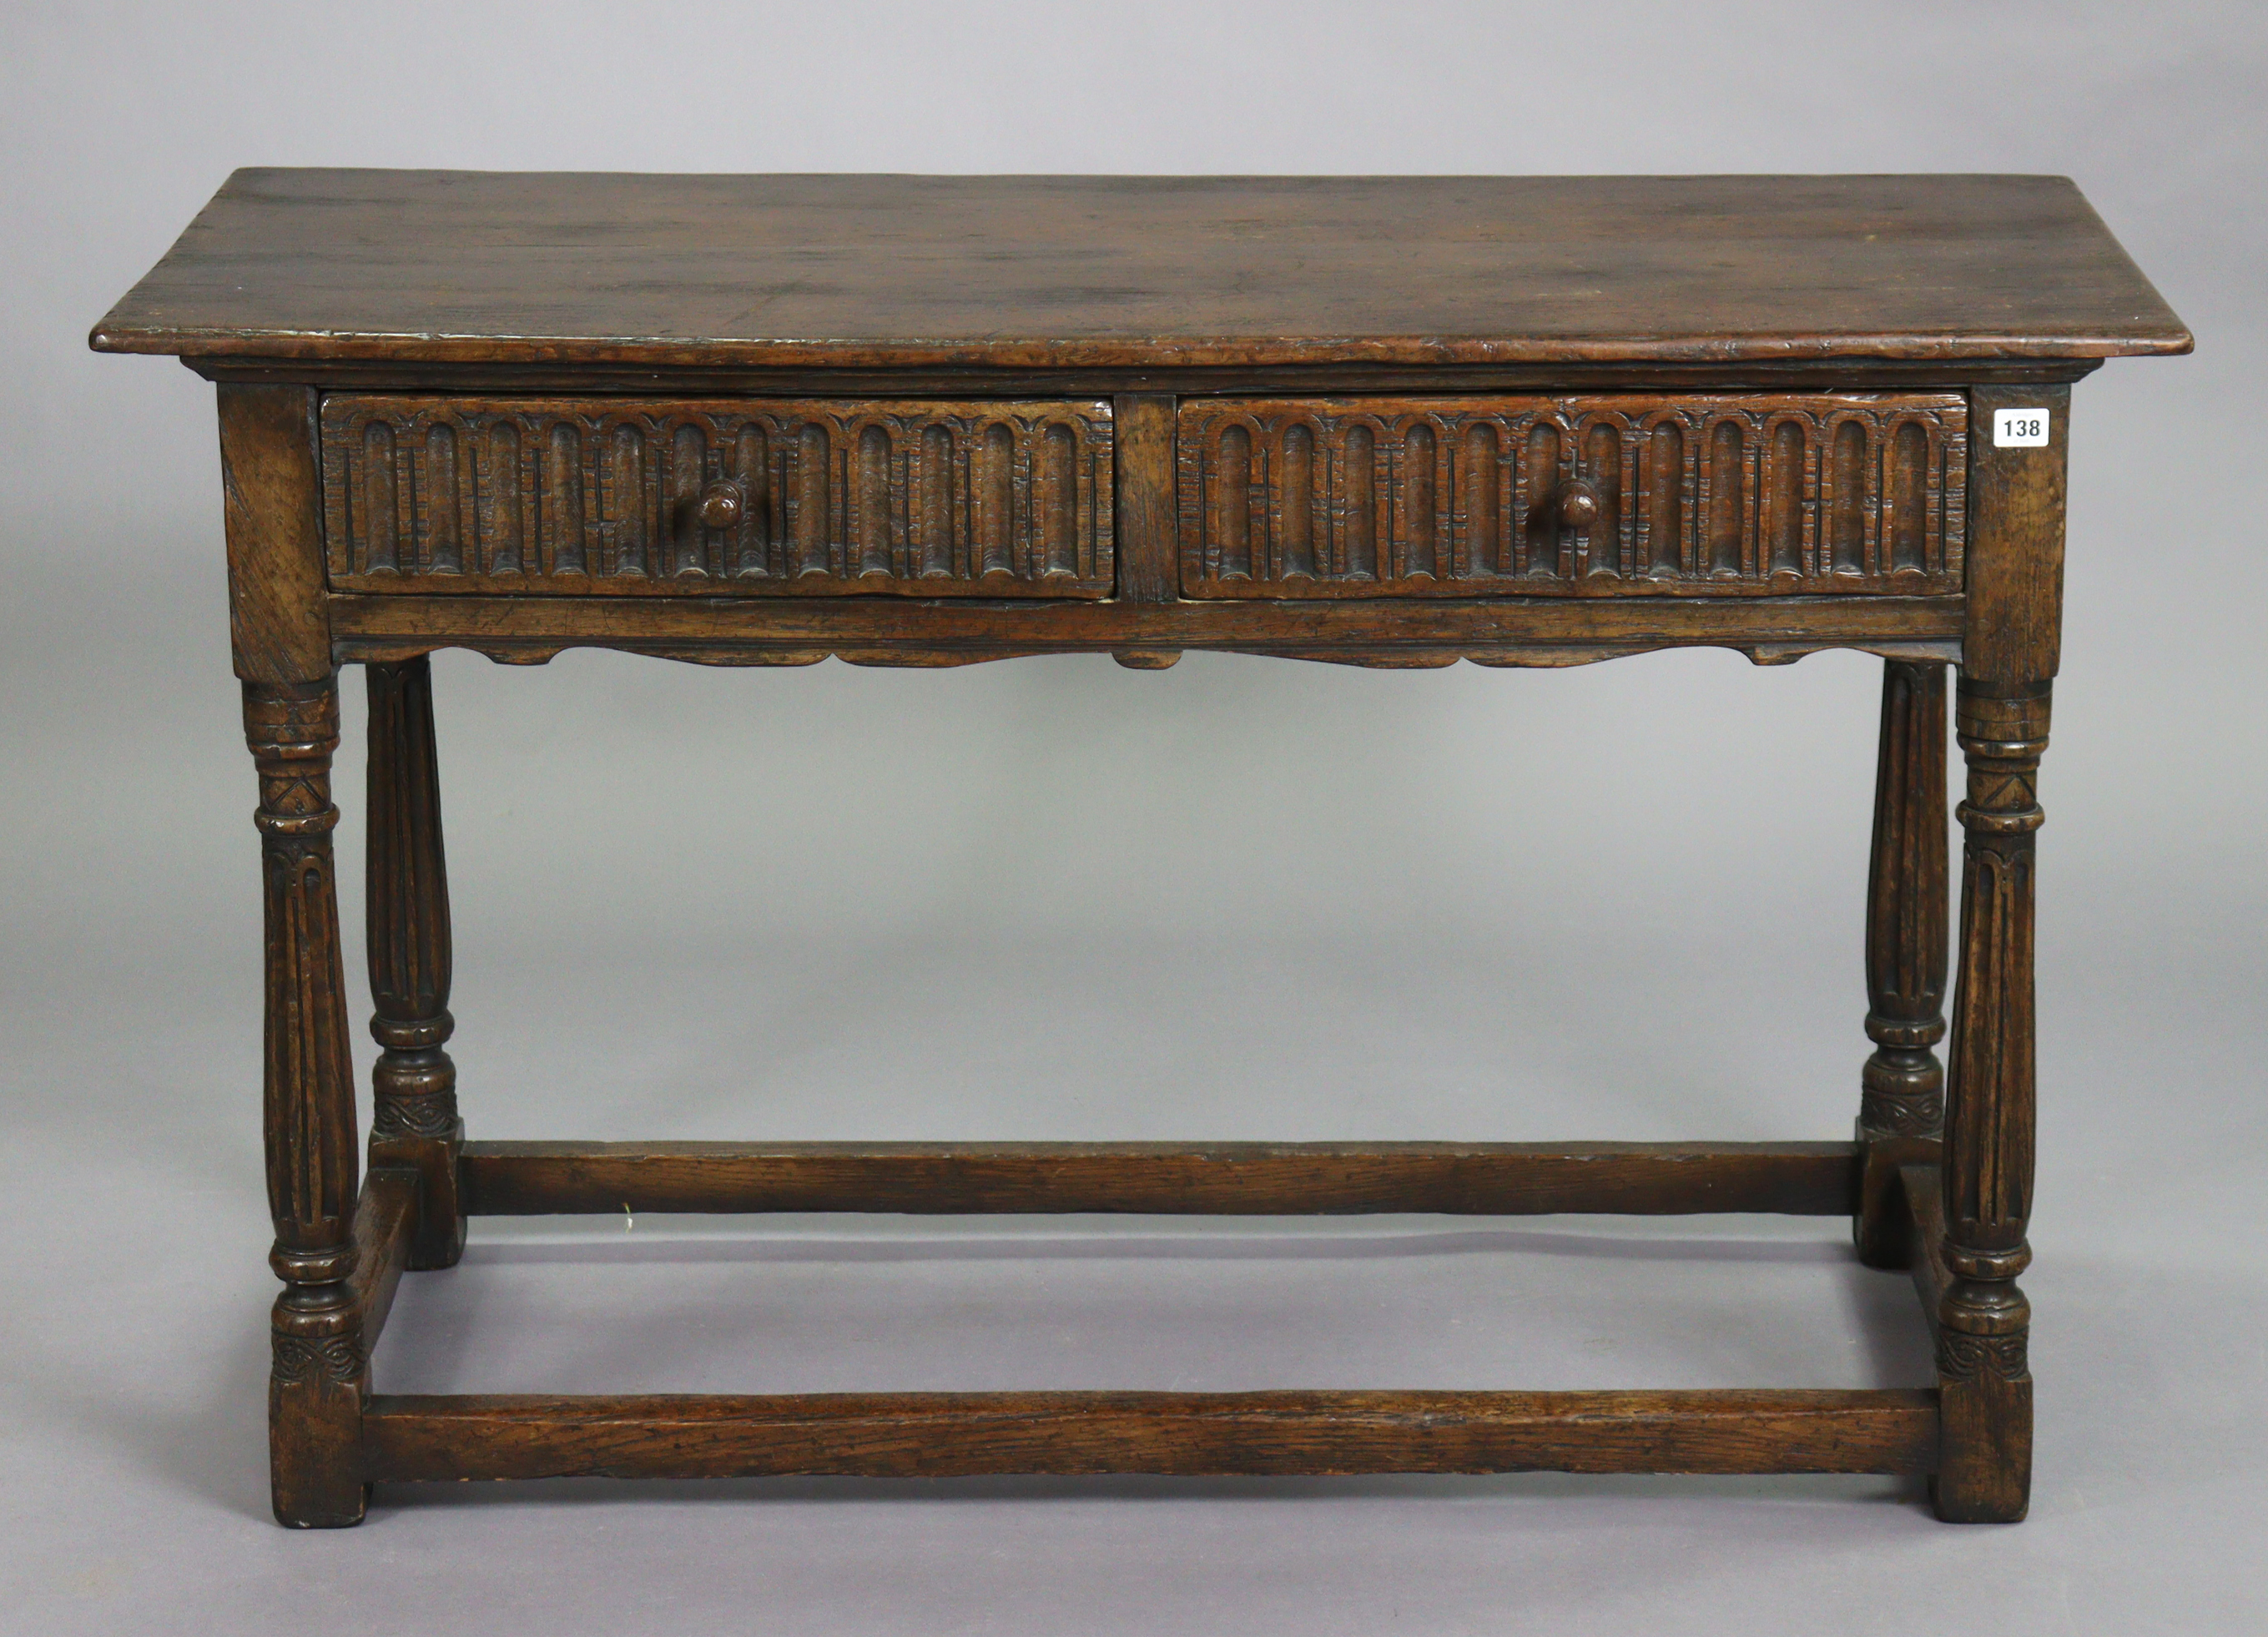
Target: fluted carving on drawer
x,y
763,496
1602,495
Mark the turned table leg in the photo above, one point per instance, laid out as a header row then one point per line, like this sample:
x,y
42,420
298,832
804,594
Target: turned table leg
x,y
1902,1085
1984,1377
414,1121
319,1375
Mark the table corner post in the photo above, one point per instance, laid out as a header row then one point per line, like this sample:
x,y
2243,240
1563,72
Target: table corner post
x,y
279,632
2010,654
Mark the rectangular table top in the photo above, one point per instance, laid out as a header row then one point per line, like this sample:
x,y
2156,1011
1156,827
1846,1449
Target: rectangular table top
x,y
1127,271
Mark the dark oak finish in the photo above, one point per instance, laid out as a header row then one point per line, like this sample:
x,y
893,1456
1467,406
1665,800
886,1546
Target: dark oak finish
x,y
2010,653
1599,496
980,272
384,1223
319,1370
954,1434
931,421
279,634
1412,632
281,644
711,381
1984,1319
1902,1085
595,496
1230,1178
1142,422
414,1121
2014,635
1925,1196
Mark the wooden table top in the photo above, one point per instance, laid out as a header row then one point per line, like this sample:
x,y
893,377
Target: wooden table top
x,y
1125,272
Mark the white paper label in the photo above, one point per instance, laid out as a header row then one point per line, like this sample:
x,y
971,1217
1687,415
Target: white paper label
x,y
2019,429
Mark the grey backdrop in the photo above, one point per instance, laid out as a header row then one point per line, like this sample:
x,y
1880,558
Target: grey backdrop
x,y
1052,898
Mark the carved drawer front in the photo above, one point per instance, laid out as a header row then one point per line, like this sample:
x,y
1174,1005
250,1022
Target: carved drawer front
x,y
1602,495
766,496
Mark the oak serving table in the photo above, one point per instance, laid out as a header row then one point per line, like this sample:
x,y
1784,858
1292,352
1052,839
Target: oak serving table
x,y
758,420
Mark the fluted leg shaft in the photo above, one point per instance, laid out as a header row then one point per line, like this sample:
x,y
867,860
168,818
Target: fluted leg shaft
x,y
414,1121
1902,1085
1984,1376
319,1375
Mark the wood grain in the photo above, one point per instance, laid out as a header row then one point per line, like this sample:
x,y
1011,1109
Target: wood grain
x,y
319,1367
413,1086
2016,499
1924,1187
985,272
1985,1318
1508,1179
1148,561
1319,377
273,518
1412,631
385,1224
1600,495
1748,412
307,1072
777,496
952,1434
1901,1087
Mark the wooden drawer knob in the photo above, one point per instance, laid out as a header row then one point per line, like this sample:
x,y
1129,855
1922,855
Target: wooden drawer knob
x,y
1579,505
720,506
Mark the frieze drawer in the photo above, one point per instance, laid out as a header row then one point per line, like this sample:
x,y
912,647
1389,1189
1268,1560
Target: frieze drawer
x,y
1600,495
765,496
